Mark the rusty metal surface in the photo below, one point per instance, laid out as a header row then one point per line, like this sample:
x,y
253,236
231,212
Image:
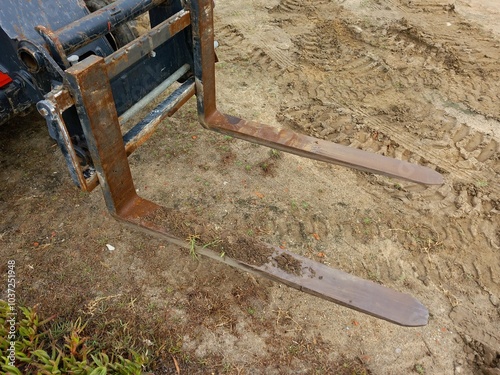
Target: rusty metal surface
x,y
313,148
314,278
145,128
62,98
52,108
90,88
97,24
204,58
348,290
54,45
144,45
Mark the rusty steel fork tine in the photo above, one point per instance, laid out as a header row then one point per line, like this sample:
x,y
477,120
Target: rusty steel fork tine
x,y
309,276
283,139
90,86
318,149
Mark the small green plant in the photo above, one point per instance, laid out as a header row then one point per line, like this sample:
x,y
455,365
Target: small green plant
x,y
264,166
57,349
151,307
192,245
294,349
227,367
419,369
374,276
399,85
275,154
212,244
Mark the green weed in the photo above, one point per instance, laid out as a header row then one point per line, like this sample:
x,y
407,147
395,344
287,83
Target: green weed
x,y
61,348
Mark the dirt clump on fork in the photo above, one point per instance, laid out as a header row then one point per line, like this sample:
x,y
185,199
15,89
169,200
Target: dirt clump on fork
x,y
231,243
289,264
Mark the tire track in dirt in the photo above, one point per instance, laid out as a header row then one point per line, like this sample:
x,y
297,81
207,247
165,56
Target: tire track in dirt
x,y
264,47
360,129
416,131
464,154
448,49
367,76
354,127
289,6
359,76
386,88
461,71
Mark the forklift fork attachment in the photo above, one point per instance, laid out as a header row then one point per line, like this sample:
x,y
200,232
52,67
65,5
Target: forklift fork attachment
x,y
282,139
88,87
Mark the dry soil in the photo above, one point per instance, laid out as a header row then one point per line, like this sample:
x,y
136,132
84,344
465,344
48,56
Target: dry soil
x,y
417,80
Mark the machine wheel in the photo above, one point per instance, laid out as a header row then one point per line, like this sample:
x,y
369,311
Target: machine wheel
x,y
123,34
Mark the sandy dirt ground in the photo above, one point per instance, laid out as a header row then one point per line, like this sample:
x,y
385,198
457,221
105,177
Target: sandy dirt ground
x,y
417,80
